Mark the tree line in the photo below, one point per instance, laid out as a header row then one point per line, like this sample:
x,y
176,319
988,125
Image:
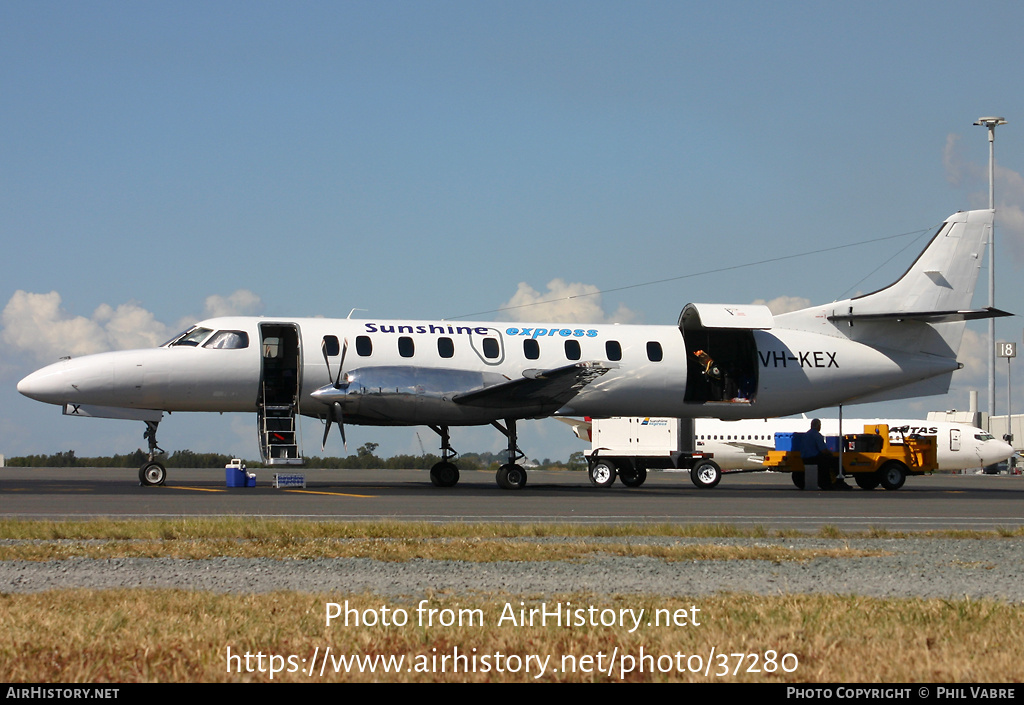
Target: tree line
x,y
364,458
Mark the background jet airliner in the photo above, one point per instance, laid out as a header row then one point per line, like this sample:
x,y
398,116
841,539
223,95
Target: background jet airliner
x,y
742,445
719,361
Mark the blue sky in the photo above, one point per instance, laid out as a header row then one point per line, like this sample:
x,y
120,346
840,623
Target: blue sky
x,y
162,161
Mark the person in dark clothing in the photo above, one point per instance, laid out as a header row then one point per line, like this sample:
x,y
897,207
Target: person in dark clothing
x,y
813,451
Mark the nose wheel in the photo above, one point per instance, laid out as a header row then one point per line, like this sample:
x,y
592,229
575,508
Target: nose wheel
x,y
152,473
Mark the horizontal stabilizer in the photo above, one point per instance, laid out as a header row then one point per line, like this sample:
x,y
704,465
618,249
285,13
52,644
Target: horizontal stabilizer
x,y
925,316
537,388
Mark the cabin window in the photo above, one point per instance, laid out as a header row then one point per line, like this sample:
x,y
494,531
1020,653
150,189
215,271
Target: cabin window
x,y
330,346
445,347
531,348
613,351
228,340
491,348
364,346
572,350
406,348
654,353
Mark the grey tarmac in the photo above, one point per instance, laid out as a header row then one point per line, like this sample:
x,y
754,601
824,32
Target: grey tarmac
x,y
910,567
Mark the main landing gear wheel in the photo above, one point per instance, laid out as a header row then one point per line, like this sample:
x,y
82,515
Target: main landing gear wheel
x,y
631,477
602,473
444,474
892,475
511,477
798,479
152,473
706,474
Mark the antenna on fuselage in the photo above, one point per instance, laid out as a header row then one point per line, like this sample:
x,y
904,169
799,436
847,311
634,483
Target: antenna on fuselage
x,y
354,310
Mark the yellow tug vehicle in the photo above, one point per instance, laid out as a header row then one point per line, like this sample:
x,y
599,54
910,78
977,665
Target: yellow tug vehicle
x,y
871,458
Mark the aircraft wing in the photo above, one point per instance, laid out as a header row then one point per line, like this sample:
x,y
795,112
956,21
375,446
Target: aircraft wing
x,y
537,389
582,429
752,448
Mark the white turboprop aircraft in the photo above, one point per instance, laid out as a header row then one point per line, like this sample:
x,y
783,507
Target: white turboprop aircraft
x,y
742,445
720,361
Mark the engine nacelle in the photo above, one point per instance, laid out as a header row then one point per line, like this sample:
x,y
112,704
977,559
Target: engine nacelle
x,y
407,395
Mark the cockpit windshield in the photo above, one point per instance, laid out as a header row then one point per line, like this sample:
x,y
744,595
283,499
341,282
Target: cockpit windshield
x,y
984,436
191,337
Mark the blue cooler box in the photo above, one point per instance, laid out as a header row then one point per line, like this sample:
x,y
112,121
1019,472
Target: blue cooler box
x,y
236,476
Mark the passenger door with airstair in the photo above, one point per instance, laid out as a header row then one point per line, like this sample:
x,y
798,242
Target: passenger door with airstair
x,y
278,403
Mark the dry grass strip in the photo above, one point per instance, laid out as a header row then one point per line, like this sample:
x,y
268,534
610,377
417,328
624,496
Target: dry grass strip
x,y
247,527
178,636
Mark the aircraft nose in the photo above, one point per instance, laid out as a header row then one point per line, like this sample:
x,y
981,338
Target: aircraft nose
x,y
996,452
46,385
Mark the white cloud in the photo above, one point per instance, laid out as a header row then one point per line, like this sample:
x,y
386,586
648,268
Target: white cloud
x,y
972,355
38,324
562,303
784,304
957,170
1009,188
241,303
130,326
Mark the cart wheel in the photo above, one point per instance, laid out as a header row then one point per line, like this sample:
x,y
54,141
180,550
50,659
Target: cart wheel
x,y
892,475
632,478
602,473
866,480
706,474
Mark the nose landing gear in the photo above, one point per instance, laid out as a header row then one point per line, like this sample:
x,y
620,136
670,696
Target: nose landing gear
x,y
152,471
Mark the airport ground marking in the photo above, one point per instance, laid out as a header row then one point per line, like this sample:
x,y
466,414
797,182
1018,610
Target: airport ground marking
x,y
333,494
197,489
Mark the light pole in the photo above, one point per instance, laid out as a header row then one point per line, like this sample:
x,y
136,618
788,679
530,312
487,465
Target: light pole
x,y
991,123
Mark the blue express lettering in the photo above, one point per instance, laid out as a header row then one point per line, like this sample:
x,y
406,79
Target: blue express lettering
x,y
562,332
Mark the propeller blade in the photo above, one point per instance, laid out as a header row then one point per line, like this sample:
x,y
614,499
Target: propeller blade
x,y
327,359
329,346
327,431
335,413
341,365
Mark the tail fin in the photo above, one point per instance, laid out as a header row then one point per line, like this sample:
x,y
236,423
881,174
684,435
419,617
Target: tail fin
x,y
937,288
924,311
940,284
